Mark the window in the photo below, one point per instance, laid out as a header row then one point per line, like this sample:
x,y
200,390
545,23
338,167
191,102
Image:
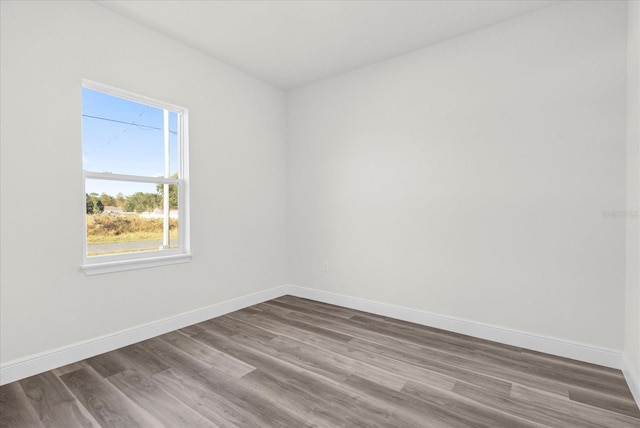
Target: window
x,y
135,173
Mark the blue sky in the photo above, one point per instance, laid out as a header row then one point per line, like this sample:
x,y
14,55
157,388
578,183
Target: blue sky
x,y
125,137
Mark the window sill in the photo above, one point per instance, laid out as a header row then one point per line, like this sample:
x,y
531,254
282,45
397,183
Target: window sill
x,y
124,265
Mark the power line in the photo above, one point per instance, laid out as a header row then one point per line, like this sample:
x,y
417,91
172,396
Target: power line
x,y
126,123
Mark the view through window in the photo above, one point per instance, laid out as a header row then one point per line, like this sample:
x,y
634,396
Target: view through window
x,y
132,156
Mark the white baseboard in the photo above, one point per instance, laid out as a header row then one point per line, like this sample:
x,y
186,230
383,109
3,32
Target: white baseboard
x,y
550,345
633,380
34,364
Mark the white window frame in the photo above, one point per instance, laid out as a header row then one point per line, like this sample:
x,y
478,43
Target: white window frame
x,y
137,260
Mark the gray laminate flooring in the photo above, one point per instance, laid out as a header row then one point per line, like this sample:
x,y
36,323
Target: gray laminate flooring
x,y
293,362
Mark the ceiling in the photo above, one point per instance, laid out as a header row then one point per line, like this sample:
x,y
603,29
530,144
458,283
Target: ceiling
x,y
293,43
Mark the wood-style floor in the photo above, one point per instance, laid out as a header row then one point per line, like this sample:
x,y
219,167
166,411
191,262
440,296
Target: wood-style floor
x,y
292,362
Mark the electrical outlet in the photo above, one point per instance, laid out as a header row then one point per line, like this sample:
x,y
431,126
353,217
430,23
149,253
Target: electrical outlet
x,y
325,267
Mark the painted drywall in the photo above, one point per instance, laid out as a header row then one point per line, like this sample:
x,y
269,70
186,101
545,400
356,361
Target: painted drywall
x,y
237,176
473,178
632,299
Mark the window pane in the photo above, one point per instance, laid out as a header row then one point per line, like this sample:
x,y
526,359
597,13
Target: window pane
x,y
126,137
126,217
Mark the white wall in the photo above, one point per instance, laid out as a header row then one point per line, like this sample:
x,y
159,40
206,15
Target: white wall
x,y
632,321
237,173
469,178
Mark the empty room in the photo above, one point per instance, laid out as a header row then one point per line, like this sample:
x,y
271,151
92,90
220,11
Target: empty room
x,y
320,213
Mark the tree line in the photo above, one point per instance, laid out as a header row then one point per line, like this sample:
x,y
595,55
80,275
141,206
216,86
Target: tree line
x,y
138,202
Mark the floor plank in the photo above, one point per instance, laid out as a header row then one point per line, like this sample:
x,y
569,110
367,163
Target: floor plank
x,y
208,355
197,396
574,412
54,404
293,362
15,409
148,395
128,358
602,400
106,405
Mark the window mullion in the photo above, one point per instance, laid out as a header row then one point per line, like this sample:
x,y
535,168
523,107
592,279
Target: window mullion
x,y
127,177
